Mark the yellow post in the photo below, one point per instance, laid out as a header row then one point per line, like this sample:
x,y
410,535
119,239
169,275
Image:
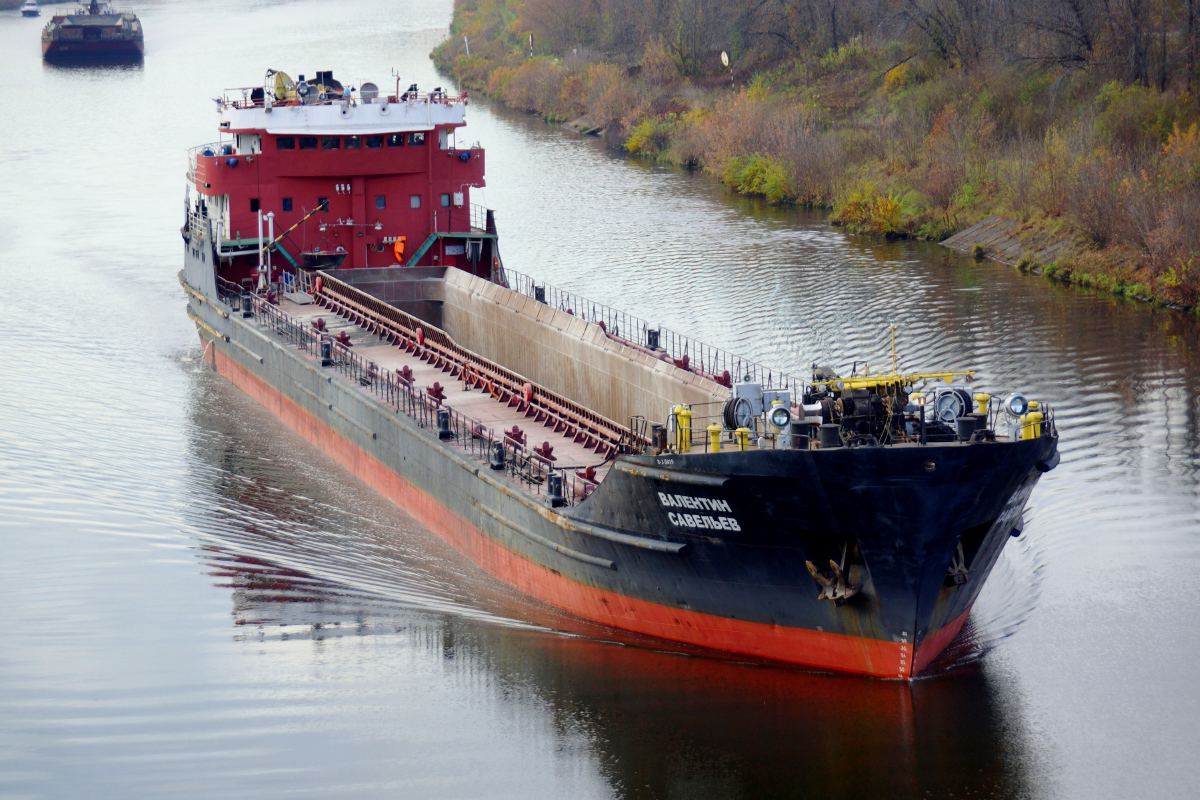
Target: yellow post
x,y
983,400
683,429
893,349
743,438
714,437
1032,427
1034,405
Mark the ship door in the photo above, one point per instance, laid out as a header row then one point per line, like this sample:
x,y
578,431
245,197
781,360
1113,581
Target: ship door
x,y
474,253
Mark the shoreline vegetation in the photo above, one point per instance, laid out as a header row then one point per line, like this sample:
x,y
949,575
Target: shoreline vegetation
x,y
1072,119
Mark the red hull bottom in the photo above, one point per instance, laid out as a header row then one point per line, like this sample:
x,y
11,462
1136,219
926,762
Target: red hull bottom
x,y
828,651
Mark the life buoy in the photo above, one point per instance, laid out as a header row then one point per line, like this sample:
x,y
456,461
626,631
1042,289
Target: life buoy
x,y
318,285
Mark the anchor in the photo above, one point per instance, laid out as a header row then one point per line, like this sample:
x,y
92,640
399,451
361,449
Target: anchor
x,y
835,588
957,574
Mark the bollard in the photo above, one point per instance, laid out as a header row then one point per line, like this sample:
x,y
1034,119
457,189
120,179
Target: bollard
x,y
496,457
714,437
554,490
743,438
658,438
683,429
326,352
831,435
247,305
983,400
1031,427
798,436
443,424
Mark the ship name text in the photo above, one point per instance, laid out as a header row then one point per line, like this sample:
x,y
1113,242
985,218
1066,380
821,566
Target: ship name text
x,y
698,520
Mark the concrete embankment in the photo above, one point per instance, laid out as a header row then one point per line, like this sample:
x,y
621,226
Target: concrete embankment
x,y
1013,242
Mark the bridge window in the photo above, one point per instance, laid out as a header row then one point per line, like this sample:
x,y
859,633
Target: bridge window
x,y
287,204
308,143
416,139
353,142
330,142
381,201
415,201
285,142
395,140
253,205
445,201
374,142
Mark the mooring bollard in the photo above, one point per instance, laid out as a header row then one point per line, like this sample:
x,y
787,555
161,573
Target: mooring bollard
x,y
554,490
496,457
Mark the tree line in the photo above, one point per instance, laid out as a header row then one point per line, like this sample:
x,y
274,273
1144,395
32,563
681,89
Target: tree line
x,y
1147,42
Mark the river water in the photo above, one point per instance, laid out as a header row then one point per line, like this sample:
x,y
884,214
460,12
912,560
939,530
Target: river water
x,y
196,603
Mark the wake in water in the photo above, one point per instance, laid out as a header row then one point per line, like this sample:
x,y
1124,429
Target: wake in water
x,y
1008,599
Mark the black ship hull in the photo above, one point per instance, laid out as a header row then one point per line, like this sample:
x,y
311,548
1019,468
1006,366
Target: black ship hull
x,y
107,51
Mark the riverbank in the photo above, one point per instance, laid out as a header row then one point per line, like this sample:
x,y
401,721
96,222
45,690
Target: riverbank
x,y
890,140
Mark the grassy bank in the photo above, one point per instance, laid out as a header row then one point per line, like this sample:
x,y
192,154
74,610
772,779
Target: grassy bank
x,y
894,133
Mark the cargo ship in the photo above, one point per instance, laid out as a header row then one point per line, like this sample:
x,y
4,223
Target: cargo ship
x,y
338,274
95,32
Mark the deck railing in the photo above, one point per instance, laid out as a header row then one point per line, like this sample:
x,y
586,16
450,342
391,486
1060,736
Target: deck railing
x,y
355,302
686,352
528,468
194,153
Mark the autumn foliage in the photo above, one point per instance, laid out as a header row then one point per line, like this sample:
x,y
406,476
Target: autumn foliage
x,y
904,119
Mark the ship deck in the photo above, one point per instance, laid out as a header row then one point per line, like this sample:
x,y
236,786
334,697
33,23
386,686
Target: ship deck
x,y
474,403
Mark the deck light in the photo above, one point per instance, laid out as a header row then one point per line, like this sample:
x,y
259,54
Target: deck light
x,y
780,417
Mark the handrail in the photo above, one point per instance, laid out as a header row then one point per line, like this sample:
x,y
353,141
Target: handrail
x,y
684,351
241,97
594,429
466,433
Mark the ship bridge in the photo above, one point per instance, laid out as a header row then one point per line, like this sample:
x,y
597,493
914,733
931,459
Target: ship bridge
x,y
347,176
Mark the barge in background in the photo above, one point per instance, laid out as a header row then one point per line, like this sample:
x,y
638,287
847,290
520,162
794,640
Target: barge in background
x,y
94,33
606,466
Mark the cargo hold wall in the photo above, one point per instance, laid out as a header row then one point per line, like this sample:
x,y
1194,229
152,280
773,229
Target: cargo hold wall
x,y
568,355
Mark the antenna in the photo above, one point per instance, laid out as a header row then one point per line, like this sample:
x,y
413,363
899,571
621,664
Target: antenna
x,y
893,349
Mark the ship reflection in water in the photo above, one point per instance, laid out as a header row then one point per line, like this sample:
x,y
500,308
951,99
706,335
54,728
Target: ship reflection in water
x,y
655,723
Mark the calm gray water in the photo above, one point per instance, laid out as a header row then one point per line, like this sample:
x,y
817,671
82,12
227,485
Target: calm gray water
x,y
196,603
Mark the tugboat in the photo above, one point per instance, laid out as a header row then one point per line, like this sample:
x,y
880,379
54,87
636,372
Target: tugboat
x,y
337,272
96,33
30,9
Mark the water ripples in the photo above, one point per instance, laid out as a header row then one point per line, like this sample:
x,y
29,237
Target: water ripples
x,y
196,591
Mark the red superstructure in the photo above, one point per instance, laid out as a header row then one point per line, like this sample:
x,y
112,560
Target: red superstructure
x,y
341,177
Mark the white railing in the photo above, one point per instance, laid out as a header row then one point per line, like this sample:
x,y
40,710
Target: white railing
x,y
686,352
